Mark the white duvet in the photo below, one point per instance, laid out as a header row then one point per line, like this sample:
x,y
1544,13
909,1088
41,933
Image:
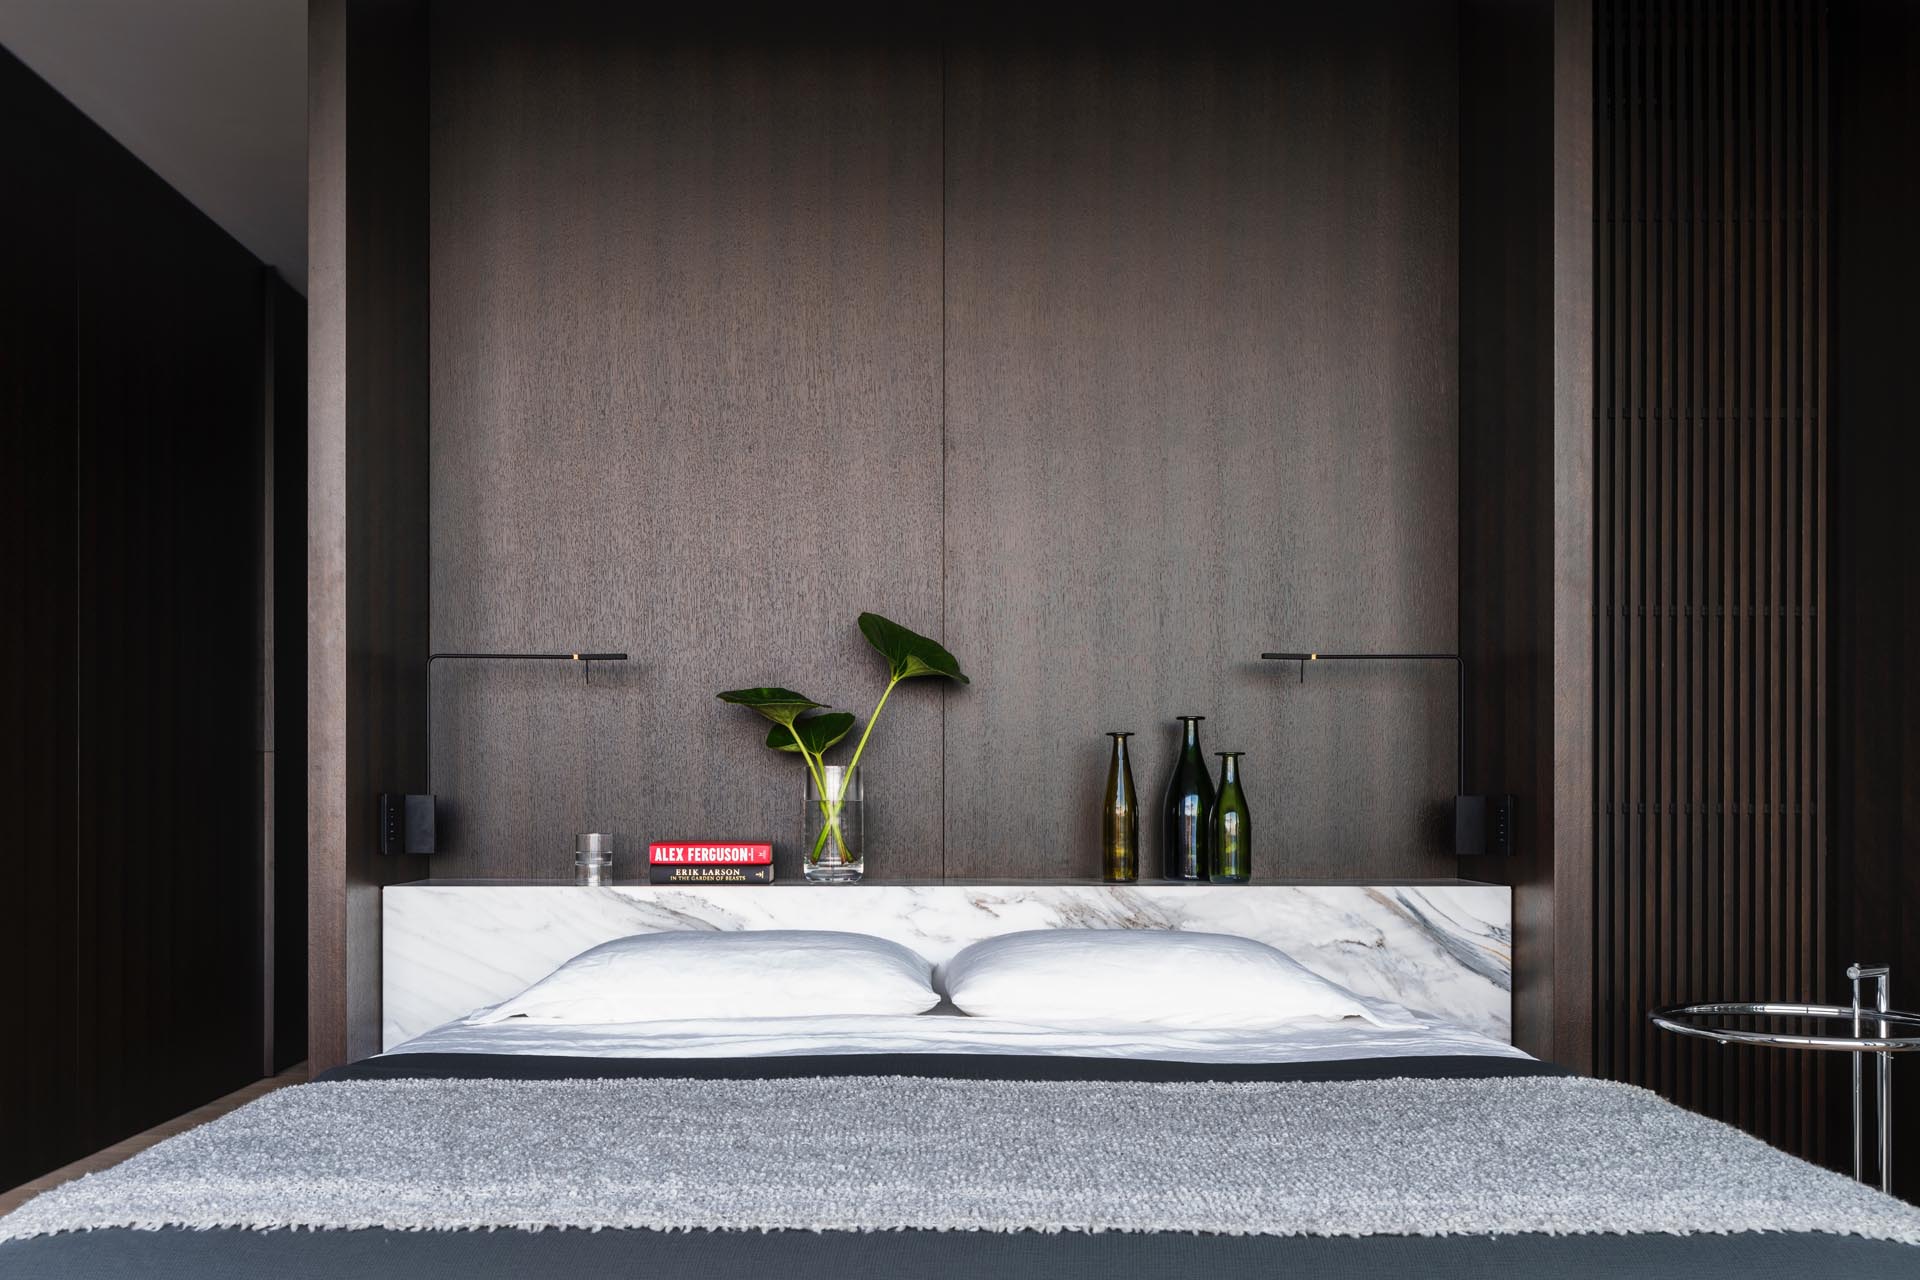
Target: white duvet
x,y
1302,1040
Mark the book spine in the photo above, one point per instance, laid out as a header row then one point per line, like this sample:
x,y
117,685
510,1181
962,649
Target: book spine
x,y
711,874
703,855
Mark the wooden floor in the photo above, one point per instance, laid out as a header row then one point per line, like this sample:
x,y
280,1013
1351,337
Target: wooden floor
x,y
11,1200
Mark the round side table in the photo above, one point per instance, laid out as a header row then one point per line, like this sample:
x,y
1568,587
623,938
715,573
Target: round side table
x,y
1882,1044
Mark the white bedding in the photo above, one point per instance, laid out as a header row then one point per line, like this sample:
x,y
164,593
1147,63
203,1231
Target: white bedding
x,y
1303,1040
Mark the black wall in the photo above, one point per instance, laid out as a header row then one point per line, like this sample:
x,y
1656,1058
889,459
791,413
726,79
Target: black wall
x,y
284,725
133,384
1875,456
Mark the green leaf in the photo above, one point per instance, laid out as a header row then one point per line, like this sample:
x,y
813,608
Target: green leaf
x,y
818,732
782,706
908,653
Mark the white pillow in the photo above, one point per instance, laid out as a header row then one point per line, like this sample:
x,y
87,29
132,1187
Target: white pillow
x,y
773,973
1153,976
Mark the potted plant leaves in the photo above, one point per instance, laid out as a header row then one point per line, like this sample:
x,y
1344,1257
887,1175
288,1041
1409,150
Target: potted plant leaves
x,y
834,825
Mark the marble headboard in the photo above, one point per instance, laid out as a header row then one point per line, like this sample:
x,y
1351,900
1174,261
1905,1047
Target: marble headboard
x,y
1443,948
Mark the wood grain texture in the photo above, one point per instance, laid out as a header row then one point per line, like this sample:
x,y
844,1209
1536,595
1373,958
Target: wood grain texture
x,y
1874,729
1556,918
1200,403
1712,876
686,403
367,568
1508,462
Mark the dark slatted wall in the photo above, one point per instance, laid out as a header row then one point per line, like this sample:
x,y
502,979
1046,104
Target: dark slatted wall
x,y
1710,286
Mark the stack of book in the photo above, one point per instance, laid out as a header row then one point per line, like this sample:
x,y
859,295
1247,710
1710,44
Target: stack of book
x,y
683,862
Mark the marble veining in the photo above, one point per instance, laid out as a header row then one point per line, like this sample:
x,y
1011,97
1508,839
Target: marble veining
x,y
1442,949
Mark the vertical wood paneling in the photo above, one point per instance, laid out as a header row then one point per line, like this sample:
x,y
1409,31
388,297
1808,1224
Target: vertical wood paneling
x,y
1201,306
686,403
367,521
1113,358
1711,160
1526,501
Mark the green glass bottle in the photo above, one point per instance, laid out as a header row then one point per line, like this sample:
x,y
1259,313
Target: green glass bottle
x,y
1232,826
1185,834
1120,819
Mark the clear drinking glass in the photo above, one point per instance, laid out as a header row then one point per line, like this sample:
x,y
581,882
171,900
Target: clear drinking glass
x,y
833,848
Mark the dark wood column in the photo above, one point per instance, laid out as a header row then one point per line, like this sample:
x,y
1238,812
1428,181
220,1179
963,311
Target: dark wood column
x,y
367,488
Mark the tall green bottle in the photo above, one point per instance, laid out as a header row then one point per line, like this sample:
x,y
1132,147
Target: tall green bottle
x,y
1119,819
1232,825
1185,837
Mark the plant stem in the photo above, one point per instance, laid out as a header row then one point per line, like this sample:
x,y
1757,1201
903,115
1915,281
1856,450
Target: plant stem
x,y
833,815
818,769
868,731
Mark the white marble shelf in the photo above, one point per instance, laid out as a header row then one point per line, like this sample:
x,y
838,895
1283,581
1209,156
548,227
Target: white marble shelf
x,y
556,882
1441,947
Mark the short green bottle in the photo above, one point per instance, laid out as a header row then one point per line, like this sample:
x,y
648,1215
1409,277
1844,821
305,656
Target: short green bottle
x,y
1119,819
1232,826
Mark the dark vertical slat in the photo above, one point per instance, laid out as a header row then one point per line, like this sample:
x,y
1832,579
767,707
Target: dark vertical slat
x,y
1606,410
1818,489
1709,499
1680,613
1635,493
1669,525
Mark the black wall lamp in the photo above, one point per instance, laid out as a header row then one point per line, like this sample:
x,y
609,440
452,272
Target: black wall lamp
x,y
1481,824
407,823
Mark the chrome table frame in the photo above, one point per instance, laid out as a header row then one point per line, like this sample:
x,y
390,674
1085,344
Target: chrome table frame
x,y
1882,1045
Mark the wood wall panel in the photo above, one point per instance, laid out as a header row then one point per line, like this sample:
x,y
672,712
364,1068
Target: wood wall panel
x,y
1712,874
1200,402
686,403
1526,422
367,447
1874,454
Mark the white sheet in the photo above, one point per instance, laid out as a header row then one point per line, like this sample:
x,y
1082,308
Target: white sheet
x,y
1304,1040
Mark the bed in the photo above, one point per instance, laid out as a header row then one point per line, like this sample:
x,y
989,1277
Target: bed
x,y
1394,1143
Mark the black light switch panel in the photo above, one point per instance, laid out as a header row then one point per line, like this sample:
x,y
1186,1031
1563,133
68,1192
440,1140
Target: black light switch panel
x,y
1483,826
393,820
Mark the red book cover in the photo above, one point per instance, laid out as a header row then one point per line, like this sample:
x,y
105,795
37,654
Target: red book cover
x,y
688,853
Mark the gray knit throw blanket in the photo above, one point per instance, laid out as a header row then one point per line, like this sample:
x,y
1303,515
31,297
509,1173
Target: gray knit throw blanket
x,y
1397,1157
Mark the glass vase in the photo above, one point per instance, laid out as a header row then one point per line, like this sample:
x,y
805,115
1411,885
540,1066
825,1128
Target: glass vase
x,y
833,848
1186,833
1232,825
1119,819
